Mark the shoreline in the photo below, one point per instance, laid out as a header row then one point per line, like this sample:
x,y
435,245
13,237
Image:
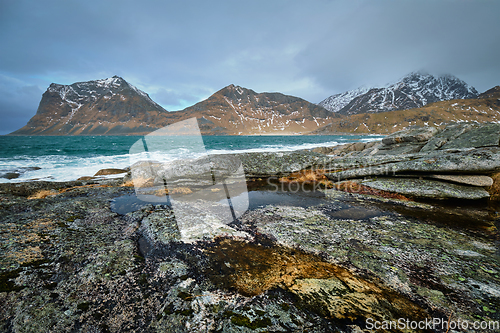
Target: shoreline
x,y
55,154
357,254
206,134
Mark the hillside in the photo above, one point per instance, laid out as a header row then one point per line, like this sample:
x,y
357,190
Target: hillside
x,y
485,108
236,110
109,106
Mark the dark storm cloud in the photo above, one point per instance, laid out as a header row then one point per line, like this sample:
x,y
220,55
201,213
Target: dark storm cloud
x,y
380,43
16,101
181,52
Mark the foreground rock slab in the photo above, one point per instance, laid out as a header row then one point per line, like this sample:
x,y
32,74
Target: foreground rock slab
x,y
477,161
425,188
483,181
451,270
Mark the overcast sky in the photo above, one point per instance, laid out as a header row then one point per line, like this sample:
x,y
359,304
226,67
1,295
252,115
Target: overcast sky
x,y
180,52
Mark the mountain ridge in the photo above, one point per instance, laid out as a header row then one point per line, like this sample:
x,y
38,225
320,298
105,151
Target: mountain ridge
x,y
92,108
484,108
113,106
414,90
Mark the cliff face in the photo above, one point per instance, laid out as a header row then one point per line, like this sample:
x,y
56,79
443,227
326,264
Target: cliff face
x,y
109,106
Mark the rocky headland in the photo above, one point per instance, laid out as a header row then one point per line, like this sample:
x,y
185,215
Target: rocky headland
x,y
406,227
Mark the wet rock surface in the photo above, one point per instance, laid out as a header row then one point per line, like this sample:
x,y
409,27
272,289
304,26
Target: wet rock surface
x,y
88,256
431,262
467,154
425,188
70,263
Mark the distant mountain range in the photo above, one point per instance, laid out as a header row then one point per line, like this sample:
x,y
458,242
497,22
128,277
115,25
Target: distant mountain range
x,y
413,91
484,108
115,107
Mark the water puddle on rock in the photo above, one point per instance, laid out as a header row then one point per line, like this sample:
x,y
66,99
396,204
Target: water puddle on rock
x,y
328,289
130,203
472,216
353,213
257,199
145,246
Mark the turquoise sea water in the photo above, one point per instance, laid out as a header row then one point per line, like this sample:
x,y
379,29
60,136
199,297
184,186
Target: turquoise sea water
x,y
63,158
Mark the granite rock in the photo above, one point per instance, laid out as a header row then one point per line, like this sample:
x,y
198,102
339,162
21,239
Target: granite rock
x,y
484,135
465,179
449,133
425,188
419,134
477,161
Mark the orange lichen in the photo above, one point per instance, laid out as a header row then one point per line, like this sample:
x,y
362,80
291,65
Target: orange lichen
x,y
311,176
304,176
494,190
42,194
336,292
355,187
177,190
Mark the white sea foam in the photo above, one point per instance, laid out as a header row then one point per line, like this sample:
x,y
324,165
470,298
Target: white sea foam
x,y
67,168
274,148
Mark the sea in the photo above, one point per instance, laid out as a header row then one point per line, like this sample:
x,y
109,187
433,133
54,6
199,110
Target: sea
x,y
66,158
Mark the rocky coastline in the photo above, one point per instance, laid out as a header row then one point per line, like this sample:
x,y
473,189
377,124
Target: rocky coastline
x,y
406,227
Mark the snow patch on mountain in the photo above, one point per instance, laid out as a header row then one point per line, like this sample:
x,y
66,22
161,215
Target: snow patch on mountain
x,y
90,91
336,102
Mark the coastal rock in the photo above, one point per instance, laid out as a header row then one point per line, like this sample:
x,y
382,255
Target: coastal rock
x,y
345,148
106,172
466,179
484,135
420,134
417,259
398,149
450,133
494,189
423,188
160,226
11,175
477,161
351,298
277,164
70,260
85,178
323,150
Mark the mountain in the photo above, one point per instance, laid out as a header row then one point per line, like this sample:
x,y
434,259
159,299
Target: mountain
x,y
237,110
413,91
337,102
115,107
109,106
484,108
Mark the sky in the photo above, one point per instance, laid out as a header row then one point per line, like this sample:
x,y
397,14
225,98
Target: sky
x,y
181,52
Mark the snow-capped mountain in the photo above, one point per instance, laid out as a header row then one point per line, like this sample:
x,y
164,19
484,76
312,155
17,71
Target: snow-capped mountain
x,y
336,102
485,108
80,93
108,106
413,91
